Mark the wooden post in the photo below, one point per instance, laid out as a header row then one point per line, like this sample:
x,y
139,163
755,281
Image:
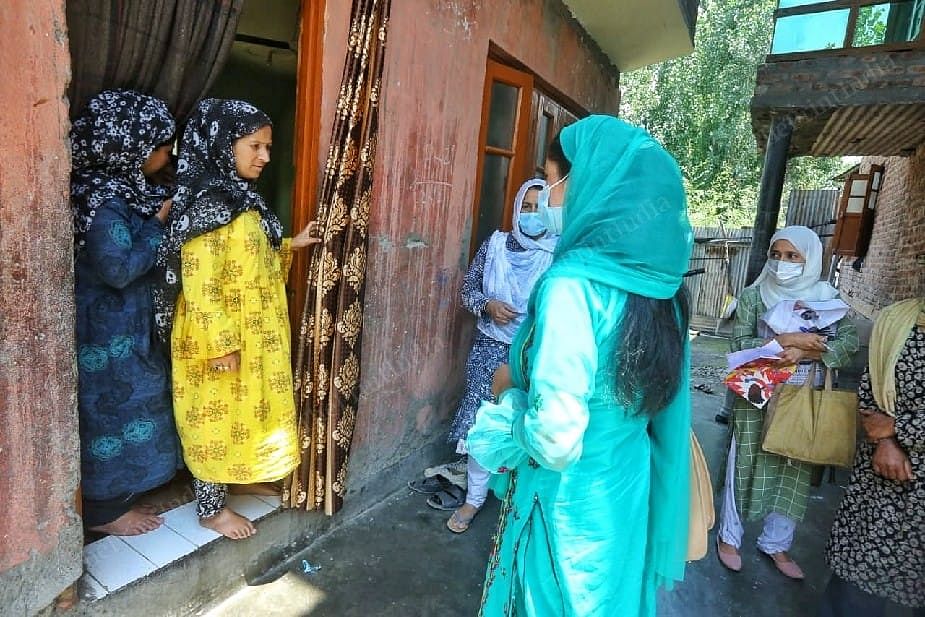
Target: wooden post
x,y
769,196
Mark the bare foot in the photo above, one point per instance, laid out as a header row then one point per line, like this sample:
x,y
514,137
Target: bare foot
x,y
230,524
269,489
132,523
145,508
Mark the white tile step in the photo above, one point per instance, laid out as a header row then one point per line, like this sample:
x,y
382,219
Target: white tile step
x,y
114,562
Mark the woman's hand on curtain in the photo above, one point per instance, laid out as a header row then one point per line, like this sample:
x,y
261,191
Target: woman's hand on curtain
x,y
891,461
230,363
311,234
500,312
877,425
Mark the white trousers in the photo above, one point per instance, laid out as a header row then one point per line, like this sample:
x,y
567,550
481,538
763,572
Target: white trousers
x,y
777,535
476,483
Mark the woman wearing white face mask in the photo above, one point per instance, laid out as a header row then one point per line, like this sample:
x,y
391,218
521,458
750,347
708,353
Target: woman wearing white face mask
x,y
760,484
496,289
551,197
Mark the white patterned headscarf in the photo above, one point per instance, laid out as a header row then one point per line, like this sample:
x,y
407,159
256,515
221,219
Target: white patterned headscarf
x,y
110,142
806,287
509,276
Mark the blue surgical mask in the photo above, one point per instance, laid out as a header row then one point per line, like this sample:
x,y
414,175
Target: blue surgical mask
x,y
531,223
551,214
785,270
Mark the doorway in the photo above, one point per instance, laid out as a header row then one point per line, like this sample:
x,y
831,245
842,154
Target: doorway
x,y
274,63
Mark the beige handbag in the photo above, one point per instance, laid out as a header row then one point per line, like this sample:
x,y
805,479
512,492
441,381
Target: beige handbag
x,y
813,426
702,515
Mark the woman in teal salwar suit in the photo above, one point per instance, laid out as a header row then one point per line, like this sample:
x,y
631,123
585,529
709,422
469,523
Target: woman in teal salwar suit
x,y
591,441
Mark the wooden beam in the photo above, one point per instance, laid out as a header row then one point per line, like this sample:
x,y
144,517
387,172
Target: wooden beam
x,y
796,56
823,7
769,196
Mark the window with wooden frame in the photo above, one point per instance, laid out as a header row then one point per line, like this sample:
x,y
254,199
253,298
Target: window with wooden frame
x,y
834,26
549,116
519,120
856,212
503,148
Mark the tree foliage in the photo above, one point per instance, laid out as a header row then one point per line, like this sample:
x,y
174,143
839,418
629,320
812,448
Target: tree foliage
x,y
698,106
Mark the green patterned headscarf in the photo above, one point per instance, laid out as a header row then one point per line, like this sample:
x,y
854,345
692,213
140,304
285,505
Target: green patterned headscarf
x,y
625,213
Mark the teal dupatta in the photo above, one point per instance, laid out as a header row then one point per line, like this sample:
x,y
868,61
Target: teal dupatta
x,y
595,518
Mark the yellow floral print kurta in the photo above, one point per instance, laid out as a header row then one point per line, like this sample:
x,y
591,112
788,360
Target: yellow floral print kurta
x,y
235,427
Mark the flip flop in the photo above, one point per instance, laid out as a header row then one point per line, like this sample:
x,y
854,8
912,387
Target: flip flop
x,y
449,498
428,486
459,524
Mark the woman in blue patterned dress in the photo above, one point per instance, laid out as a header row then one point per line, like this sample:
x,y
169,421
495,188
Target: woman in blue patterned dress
x,y
496,289
128,441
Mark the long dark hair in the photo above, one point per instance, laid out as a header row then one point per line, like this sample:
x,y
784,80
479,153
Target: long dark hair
x,y
653,333
650,355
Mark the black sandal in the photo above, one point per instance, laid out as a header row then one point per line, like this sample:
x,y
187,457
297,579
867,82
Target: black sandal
x,y
449,498
428,486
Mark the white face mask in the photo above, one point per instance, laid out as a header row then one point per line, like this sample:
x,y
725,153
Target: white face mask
x,y
785,270
552,215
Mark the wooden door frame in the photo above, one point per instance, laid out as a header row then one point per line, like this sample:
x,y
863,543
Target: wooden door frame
x,y
843,215
497,71
309,85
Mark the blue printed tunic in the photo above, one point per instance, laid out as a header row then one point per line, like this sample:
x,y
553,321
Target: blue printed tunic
x,y
127,435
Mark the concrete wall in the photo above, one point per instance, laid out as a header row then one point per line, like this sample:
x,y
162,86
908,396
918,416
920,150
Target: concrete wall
x,y
415,335
890,271
39,530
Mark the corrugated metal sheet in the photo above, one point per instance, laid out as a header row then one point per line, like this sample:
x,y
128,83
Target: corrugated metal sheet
x,y
884,130
814,209
723,255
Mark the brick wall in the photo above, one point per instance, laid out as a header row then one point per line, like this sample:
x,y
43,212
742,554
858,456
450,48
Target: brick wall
x,y
890,272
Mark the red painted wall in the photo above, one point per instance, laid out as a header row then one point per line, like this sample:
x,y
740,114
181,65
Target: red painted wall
x,y
416,336
39,532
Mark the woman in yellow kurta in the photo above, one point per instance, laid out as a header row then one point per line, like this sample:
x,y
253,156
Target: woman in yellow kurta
x,y
226,265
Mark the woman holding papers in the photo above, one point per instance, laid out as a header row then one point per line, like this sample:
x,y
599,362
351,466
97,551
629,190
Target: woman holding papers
x,y
759,484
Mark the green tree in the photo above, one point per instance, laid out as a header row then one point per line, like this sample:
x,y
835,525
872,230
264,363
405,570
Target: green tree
x,y
698,106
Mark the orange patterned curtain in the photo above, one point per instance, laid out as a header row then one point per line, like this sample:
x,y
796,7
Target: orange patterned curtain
x,y
327,370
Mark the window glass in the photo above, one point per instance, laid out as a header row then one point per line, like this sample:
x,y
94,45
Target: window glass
x,y
542,140
890,22
811,32
786,4
502,115
494,192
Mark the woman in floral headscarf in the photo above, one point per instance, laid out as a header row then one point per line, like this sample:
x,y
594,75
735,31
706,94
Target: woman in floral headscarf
x,y
127,436
222,305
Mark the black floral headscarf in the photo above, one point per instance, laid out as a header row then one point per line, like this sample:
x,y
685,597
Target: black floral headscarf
x,y
210,193
110,141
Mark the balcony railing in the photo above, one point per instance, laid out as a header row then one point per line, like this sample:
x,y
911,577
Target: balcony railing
x,y
819,27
